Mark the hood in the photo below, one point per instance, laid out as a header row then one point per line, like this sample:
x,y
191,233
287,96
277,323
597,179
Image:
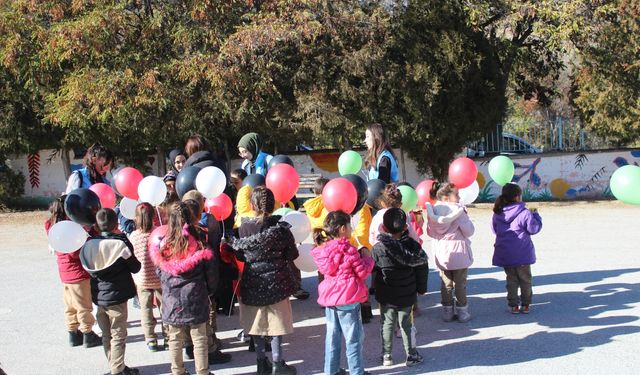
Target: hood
x,y
195,254
253,143
510,212
315,210
100,254
199,157
405,250
442,215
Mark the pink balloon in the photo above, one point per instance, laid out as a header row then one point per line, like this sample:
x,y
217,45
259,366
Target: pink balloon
x,y
105,193
283,180
462,172
339,195
127,181
157,235
220,207
424,193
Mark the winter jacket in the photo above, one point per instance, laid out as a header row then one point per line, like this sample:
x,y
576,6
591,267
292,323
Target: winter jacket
x,y
186,282
450,228
344,270
361,222
147,278
376,227
267,247
513,228
243,205
316,212
402,270
203,159
110,261
69,265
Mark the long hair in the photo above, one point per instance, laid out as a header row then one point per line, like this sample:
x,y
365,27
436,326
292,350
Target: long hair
x,y
509,194
194,144
144,217
180,227
263,201
390,197
331,228
380,143
95,152
440,190
56,208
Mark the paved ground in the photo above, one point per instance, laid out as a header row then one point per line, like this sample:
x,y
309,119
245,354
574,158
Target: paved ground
x,y
584,320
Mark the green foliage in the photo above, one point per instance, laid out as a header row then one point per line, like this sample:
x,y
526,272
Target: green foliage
x,y
11,184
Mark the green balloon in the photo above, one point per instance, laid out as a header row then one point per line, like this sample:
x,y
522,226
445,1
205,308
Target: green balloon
x,y
625,184
409,197
501,170
350,162
282,211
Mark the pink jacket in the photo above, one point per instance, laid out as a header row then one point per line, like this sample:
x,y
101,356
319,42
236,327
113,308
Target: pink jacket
x,y
450,228
377,227
344,271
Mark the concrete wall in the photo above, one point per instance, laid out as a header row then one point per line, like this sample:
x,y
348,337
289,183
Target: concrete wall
x,y
542,176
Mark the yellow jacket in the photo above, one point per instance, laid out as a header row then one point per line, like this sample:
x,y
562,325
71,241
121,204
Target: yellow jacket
x,y
243,205
360,233
316,212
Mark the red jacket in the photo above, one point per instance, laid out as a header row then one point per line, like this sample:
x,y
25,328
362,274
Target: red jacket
x,y
69,266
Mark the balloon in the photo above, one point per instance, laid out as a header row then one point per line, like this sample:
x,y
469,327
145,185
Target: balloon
x,y
282,211
469,194
283,180
186,180
409,197
82,205
374,188
127,181
423,190
157,236
66,236
625,184
339,194
128,208
105,193
350,162
462,172
361,189
280,159
220,207
254,180
300,225
153,190
305,261
211,182
501,169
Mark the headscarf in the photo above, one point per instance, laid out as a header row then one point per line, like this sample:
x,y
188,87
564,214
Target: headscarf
x,y
253,143
173,154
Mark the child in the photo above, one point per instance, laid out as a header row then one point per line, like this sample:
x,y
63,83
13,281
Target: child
x,y
402,271
450,228
341,292
513,226
77,288
267,247
147,280
188,276
314,207
110,261
236,177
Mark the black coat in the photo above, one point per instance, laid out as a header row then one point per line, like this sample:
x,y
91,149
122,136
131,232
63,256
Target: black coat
x,y
268,249
402,270
203,159
104,258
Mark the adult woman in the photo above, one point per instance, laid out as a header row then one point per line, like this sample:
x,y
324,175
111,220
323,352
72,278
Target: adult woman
x,y
97,162
380,158
198,155
250,149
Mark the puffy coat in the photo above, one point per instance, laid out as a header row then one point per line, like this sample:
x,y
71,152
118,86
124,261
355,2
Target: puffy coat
x,y
361,223
513,228
203,159
316,212
344,271
402,270
110,261
187,282
267,249
450,228
69,265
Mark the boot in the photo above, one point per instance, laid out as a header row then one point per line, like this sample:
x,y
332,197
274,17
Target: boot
x,y
447,313
463,314
264,366
75,338
281,368
91,340
218,357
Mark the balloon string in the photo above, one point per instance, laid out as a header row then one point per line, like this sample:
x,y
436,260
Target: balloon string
x,y
223,231
159,217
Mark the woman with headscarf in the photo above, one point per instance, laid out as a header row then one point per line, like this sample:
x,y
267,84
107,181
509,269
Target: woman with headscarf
x,y
250,149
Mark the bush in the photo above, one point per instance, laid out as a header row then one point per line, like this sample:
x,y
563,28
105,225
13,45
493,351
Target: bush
x,y
11,184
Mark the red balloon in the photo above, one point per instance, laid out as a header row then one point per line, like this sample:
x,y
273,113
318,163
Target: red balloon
x,y
339,195
157,236
105,193
462,172
283,180
127,181
424,193
220,207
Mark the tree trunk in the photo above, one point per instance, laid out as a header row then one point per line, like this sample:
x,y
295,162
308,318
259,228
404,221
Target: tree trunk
x,y
66,163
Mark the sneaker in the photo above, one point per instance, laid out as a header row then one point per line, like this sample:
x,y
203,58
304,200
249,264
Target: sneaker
x,y
414,359
281,368
242,337
463,314
75,338
387,360
447,313
218,357
525,309
514,309
91,340
152,345
341,372
129,371
301,294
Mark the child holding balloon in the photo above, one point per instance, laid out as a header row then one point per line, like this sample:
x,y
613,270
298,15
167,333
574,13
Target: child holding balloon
x,y
513,225
450,228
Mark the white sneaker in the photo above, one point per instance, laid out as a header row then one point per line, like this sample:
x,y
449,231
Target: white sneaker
x,y
463,314
447,313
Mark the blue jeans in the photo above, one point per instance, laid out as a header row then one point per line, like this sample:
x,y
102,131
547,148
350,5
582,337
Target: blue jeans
x,y
349,324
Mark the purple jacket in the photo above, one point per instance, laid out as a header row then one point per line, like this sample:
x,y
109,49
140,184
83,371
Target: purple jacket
x,y
513,229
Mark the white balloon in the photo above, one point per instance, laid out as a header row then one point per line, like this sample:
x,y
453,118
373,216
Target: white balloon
x,y
469,194
211,182
300,225
128,208
305,261
66,236
152,190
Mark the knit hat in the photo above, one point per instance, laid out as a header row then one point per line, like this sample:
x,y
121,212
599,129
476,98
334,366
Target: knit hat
x,y
170,176
252,142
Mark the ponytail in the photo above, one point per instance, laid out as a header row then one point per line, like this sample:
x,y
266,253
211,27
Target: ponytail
x,y
440,190
510,192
